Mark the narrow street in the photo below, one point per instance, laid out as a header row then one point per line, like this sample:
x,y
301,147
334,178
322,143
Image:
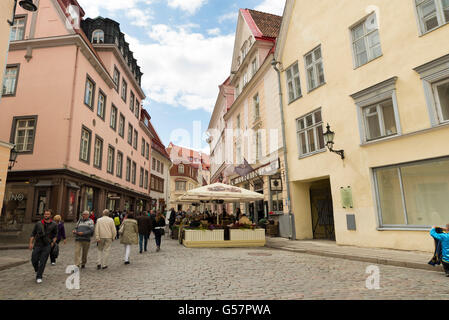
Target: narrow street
x,y
179,273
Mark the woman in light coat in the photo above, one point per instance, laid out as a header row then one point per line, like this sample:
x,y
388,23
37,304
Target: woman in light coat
x,y
129,235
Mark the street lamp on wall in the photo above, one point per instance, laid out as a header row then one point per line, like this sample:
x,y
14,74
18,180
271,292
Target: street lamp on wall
x,y
329,140
12,158
28,5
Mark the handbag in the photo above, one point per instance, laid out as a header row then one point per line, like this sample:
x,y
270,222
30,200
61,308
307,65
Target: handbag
x,y
122,228
55,250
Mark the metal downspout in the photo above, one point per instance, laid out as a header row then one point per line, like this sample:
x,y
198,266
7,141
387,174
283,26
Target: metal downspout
x,y
274,63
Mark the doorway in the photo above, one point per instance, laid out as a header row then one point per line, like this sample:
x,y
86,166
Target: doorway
x,y
322,210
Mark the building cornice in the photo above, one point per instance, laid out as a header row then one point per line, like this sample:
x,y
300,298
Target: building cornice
x,y
66,40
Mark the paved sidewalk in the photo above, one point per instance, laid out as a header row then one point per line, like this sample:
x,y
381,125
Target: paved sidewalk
x,y
399,258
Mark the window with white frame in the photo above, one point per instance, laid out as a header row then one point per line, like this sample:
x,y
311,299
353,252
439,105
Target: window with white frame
x,y
98,152
25,130
130,134
98,36
18,29
181,169
124,90
136,138
413,194
145,180
441,92
131,102
309,130
259,142
141,177
379,120
116,78
366,41
101,106
254,67
142,151
113,122
147,151
89,93
180,185
256,103
314,68
119,164
133,173
432,14
111,156
293,83
377,111
137,109
10,80
128,169
121,126
85,145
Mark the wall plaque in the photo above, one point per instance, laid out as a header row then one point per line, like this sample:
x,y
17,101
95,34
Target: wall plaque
x,y
346,197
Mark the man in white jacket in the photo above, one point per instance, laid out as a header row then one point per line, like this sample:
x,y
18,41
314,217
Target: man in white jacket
x,y
105,233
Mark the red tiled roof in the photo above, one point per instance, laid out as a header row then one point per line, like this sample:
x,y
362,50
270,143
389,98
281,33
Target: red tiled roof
x,y
263,24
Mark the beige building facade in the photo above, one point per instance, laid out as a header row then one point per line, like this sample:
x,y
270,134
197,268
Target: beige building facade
x,y
381,81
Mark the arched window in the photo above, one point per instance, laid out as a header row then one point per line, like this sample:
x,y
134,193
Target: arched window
x,y
98,36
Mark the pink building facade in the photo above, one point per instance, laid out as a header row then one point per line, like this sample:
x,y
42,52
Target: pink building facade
x,y
71,103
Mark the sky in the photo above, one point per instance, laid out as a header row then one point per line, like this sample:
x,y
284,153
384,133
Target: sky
x,y
184,49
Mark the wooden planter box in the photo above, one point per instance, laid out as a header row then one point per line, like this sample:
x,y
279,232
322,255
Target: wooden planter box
x,y
272,230
215,238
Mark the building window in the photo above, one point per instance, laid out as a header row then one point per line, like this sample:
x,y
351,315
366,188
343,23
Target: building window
x,y
379,120
18,29
136,138
98,36
413,195
314,69
89,93
152,183
137,109
10,80
162,168
131,102
124,90
128,169
366,41
254,67
180,186
237,90
158,166
113,122
145,180
121,126
133,173
377,111
432,14
24,134
101,107
143,148
154,165
435,77
181,169
119,164
141,178
130,133
310,133
293,83
98,152
116,78
259,140
147,151
277,202
85,145
111,156
256,102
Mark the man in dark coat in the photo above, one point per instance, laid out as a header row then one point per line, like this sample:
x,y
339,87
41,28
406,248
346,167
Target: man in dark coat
x,y
145,225
43,238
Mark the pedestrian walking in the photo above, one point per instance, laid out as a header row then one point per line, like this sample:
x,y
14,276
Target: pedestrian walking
x,y
144,224
172,220
117,222
439,234
105,233
93,217
43,238
61,236
159,225
83,232
129,234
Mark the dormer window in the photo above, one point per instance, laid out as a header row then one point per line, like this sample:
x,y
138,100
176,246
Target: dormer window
x,y
98,36
116,41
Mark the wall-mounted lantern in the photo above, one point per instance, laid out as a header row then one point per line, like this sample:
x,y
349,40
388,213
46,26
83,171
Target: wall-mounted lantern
x,y
329,140
28,5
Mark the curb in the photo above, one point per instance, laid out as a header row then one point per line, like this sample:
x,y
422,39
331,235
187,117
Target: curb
x,y
375,260
12,265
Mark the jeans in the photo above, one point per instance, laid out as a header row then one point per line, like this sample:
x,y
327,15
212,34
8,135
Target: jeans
x,y
39,259
158,237
117,228
143,241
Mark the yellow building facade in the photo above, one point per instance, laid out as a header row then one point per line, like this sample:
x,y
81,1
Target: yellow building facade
x,y
378,73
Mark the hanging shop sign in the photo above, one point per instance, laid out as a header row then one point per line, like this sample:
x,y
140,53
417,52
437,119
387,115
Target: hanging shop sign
x,y
266,170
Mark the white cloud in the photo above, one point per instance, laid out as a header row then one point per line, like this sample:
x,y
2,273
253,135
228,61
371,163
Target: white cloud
x,y
191,6
214,32
231,16
183,68
272,6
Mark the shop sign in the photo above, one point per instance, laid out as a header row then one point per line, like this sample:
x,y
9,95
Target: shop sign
x,y
17,197
267,170
346,197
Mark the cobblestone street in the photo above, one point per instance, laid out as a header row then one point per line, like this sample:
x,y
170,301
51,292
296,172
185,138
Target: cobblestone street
x,y
180,273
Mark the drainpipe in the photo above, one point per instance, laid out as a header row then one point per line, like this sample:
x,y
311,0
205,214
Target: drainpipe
x,y
275,63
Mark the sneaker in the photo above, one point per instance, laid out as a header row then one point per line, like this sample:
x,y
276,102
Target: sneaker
x,y
105,267
158,249
98,266
126,262
447,274
38,280
83,266
53,263
140,252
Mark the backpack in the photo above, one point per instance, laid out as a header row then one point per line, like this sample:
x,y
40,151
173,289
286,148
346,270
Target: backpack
x,y
117,221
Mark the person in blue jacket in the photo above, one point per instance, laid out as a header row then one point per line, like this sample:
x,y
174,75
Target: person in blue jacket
x,y
444,240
